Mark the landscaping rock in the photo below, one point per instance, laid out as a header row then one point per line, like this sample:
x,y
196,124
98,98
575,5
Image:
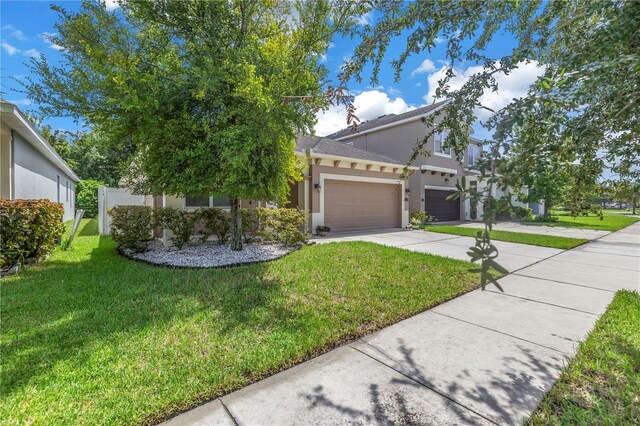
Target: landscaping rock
x,y
207,255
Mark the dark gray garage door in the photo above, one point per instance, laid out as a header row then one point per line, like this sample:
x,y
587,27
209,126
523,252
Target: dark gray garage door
x,y
436,204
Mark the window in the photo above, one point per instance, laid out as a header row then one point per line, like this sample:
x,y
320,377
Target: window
x,y
196,201
438,143
473,154
58,187
206,201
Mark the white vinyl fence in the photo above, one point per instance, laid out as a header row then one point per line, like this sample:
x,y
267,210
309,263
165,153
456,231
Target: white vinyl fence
x,y
111,197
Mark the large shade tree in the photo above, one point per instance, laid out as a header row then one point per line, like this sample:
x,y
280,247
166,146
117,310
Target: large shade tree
x,y
590,53
210,94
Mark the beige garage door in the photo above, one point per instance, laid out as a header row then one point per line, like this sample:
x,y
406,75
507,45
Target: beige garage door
x,y
358,205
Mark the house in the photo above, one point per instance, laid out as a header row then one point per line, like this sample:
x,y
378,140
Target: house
x,y
30,168
344,188
395,135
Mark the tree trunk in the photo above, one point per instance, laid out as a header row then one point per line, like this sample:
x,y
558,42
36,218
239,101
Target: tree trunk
x,y
546,208
633,205
236,225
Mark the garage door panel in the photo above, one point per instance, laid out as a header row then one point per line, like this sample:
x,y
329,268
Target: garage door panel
x,y
357,205
436,204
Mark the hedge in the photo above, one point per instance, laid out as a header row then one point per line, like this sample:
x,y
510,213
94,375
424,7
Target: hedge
x,y
87,196
29,230
131,226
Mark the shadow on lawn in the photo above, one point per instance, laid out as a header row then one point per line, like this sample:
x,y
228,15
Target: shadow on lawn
x,y
62,310
512,391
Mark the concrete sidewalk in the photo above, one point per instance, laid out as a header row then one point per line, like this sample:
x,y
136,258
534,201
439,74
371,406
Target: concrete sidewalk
x,y
512,256
589,234
482,358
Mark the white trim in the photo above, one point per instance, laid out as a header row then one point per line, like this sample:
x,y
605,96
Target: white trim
x,y
440,154
438,169
318,218
313,155
38,141
395,123
440,188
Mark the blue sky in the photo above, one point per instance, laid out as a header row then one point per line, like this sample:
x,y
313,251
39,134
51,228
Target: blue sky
x,y
25,23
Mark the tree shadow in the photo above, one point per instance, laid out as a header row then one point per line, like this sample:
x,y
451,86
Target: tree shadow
x,y
511,391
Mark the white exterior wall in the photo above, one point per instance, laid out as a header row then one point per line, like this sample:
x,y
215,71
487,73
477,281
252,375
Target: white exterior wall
x,y
36,177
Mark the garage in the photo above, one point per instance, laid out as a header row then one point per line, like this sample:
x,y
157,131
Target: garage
x,y
350,205
436,204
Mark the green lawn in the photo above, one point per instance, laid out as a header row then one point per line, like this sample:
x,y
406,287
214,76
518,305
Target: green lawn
x,y
89,337
601,385
512,237
610,222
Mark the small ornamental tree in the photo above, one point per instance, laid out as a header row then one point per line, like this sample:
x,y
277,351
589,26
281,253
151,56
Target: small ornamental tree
x,y
210,93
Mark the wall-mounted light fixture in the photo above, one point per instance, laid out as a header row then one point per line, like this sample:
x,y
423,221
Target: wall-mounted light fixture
x,y
407,191
446,180
317,187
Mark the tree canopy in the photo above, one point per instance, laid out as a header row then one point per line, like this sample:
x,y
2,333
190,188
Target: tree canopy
x,y
199,88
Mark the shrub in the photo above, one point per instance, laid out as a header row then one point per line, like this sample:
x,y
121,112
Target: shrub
x,y
520,213
548,218
284,226
420,217
216,222
322,229
29,230
87,196
131,226
250,225
180,222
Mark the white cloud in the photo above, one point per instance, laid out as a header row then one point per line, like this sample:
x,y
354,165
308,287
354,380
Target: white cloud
x,y
439,40
514,85
20,102
17,34
46,37
369,104
8,27
32,53
10,49
426,66
419,84
111,4
365,19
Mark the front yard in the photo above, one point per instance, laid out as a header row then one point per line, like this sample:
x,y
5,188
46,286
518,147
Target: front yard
x,y
610,222
89,337
601,385
512,237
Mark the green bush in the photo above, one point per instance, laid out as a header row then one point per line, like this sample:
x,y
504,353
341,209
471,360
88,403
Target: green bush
x,y
29,230
520,213
131,226
216,222
87,196
283,226
180,222
420,217
250,225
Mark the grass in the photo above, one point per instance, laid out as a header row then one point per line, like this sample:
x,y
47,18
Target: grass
x,y
89,337
610,222
601,385
512,237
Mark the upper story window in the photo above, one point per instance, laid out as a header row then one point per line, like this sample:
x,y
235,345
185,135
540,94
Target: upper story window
x,y
473,154
438,144
195,201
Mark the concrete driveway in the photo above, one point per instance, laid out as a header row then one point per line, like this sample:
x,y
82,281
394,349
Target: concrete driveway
x,y
512,256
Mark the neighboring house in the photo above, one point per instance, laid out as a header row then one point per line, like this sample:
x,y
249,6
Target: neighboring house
x,y
343,187
29,167
395,136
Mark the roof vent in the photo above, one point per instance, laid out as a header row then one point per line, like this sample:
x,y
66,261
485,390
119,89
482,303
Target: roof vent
x,y
383,115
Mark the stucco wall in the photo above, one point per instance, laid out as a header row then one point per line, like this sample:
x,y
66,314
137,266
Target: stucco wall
x,y
5,161
36,177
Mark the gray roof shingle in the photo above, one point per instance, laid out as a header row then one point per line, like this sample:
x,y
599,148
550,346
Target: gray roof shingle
x,y
384,120
323,145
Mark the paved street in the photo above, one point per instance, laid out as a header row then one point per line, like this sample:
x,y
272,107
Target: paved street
x,y
482,358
